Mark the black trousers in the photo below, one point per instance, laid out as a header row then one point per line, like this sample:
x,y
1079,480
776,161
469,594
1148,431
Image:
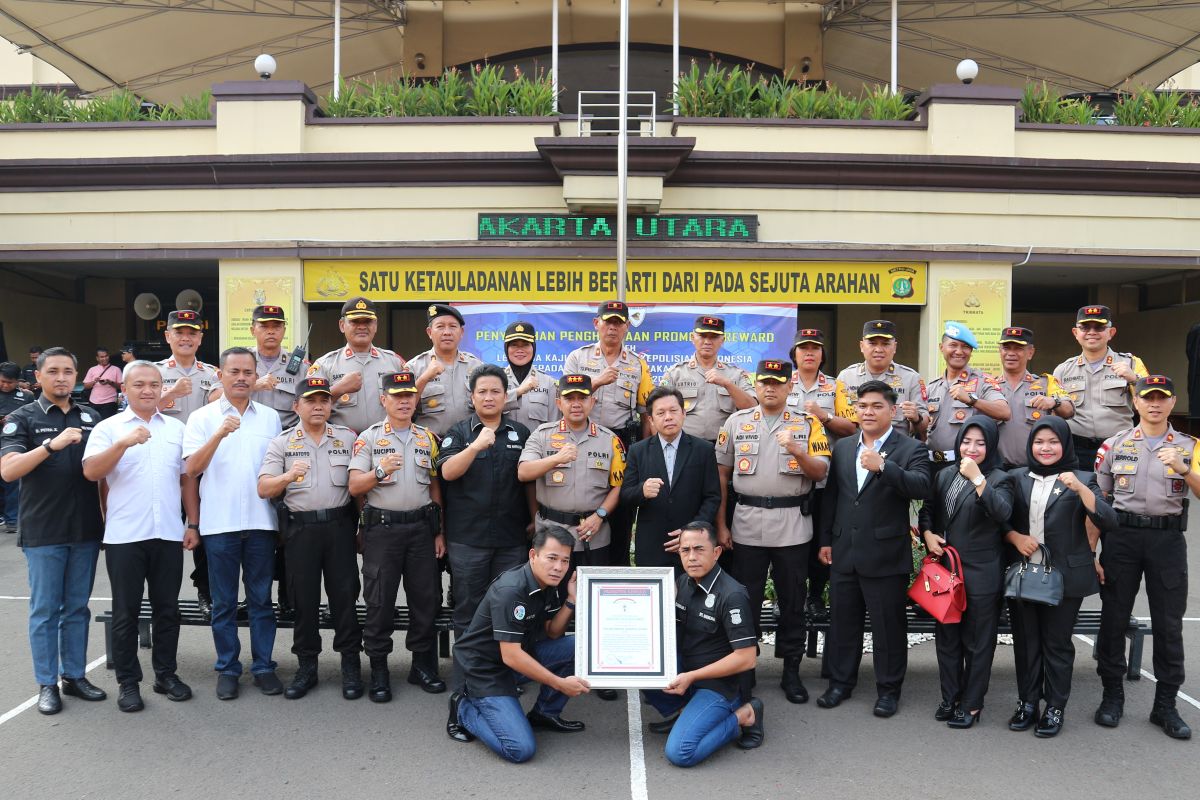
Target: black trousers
x,y
391,553
850,596
199,574
789,569
474,569
312,550
1085,451
1044,649
158,565
818,572
1127,555
965,651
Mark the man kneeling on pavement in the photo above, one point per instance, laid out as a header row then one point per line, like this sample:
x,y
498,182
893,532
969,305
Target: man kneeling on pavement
x,y
703,707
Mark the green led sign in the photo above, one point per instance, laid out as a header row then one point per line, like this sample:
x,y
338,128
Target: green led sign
x,y
648,227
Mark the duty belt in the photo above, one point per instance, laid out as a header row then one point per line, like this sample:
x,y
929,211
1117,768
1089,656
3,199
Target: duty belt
x,y
941,456
385,516
324,515
772,502
1173,522
563,517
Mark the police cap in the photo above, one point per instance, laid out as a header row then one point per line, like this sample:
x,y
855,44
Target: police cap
x,y
773,370
358,308
575,384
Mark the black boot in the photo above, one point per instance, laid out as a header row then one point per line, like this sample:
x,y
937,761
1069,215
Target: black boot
x,y
305,679
793,687
1166,716
352,683
381,680
1112,706
424,672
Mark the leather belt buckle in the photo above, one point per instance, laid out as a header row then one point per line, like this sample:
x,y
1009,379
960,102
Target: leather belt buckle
x,y
937,456
767,502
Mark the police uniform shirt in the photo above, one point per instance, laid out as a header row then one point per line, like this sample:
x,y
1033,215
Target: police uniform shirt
x,y
486,506
1014,434
406,489
824,392
11,401
537,406
946,415
763,468
515,609
1128,470
904,381
1103,399
581,486
284,394
446,399
58,504
712,619
357,410
326,484
707,404
204,380
619,403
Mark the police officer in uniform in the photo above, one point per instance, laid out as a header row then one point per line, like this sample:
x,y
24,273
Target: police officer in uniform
x,y
12,397
394,466
958,394
1030,397
356,369
712,389
1098,381
775,457
532,394
878,346
309,466
620,384
188,384
442,371
1148,471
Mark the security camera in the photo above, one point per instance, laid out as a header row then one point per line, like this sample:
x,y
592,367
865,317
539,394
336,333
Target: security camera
x,y
264,65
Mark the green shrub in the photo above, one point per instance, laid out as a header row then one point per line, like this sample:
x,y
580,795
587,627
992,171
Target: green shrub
x,y
122,105
484,92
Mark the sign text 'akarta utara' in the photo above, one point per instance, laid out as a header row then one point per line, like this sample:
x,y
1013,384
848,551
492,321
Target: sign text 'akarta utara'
x,y
647,227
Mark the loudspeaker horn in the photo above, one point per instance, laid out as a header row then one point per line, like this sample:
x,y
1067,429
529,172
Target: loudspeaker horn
x,y
147,306
189,300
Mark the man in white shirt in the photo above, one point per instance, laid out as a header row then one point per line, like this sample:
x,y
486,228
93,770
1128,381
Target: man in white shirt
x,y
225,442
139,455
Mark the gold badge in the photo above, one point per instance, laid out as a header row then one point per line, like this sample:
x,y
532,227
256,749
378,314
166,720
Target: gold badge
x,y
748,427
1123,482
960,415
557,477
344,398
557,437
432,310
722,438
1036,415
687,404
743,465
432,403
382,442
744,448
793,463
170,404
627,394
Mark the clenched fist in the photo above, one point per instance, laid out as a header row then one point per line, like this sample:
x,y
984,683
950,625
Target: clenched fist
x,y
652,487
485,439
139,435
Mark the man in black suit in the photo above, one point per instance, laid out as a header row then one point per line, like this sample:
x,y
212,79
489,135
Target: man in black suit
x,y
667,500
865,538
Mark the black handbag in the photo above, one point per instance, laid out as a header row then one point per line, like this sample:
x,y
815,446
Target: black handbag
x,y
1034,583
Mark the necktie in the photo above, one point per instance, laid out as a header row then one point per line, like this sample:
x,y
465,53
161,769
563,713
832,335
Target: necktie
x,y
669,457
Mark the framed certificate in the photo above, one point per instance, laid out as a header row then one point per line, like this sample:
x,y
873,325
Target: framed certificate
x,y
625,627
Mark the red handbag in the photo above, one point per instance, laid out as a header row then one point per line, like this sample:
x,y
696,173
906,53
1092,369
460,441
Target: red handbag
x,y
940,591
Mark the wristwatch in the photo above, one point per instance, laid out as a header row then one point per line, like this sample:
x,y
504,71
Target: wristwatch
x,y
978,480
192,526
380,474
1057,402
46,444
601,513
972,399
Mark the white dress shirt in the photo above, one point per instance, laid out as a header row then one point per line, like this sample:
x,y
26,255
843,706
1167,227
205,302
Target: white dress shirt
x,y
1039,498
229,498
144,498
859,470
670,451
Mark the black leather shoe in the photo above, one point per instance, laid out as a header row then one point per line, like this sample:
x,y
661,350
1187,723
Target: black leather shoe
x,y
944,711
304,679
816,609
834,696
49,701
204,606
268,683
352,682
540,720
1024,717
129,697
1167,718
284,611
1111,708
1050,723
962,719
454,728
175,689
227,687
793,687
664,725
886,706
83,689
242,613
421,675
606,694
753,734
381,681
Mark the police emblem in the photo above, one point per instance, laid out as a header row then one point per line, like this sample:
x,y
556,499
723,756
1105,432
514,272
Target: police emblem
x,y
960,415
793,463
744,465
10,429
433,403
359,444
519,612
744,447
557,477
735,616
710,601
449,440
722,438
85,417
513,436
747,427
1123,481
382,442
1177,486
344,398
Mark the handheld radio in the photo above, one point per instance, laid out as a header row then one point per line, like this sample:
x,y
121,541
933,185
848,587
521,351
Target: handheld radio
x,y
297,360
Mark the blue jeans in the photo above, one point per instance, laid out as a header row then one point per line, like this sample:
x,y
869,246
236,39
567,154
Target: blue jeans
x,y
60,583
252,554
707,723
499,721
10,491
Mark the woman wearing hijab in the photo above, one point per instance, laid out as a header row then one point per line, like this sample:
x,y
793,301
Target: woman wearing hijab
x,y
531,392
1052,501
969,511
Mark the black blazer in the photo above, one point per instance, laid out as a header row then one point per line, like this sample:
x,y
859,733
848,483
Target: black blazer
x,y
1066,537
869,530
975,527
694,492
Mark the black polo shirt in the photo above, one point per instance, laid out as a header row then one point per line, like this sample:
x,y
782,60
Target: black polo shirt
x,y
29,375
712,619
515,609
11,401
487,506
58,504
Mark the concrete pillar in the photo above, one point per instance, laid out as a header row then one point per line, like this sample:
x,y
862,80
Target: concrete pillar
x,y
970,119
262,116
246,283
977,295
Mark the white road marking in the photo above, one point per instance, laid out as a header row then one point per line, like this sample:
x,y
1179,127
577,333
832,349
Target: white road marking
x,y
26,597
31,702
637,758
1187,698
